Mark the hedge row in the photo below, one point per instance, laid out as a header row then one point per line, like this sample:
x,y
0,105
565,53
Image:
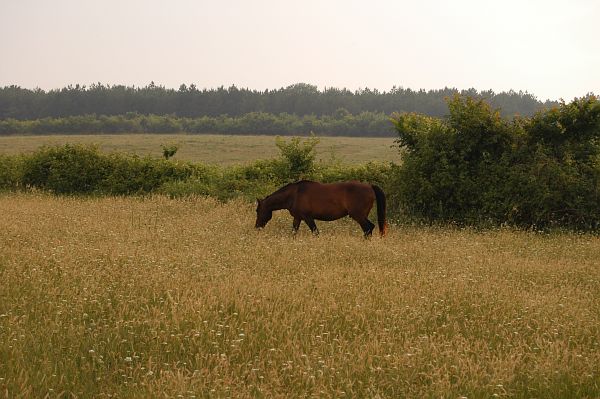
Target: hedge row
x,y
342,123
77,169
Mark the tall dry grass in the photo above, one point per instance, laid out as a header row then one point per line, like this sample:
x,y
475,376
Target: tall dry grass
x,y
126,297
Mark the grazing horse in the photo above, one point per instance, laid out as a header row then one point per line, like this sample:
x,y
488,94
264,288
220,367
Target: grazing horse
x,y
310,201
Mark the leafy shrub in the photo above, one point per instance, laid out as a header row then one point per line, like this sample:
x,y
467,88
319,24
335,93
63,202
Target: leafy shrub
x,y
298,157
137,175
373,172
77,169
556,173
169,150
452,167
11,171
201,182
475,167
65,170
247,181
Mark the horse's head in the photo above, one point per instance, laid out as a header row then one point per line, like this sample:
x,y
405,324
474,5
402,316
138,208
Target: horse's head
x,y
263,214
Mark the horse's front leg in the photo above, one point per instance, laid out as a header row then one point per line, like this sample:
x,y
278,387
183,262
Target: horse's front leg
x,y
312,225
296,225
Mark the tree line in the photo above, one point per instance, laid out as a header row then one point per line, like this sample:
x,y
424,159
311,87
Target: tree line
x,y
189,101
341,123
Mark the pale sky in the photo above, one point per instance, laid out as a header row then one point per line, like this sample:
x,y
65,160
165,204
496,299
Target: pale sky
x,y
547,47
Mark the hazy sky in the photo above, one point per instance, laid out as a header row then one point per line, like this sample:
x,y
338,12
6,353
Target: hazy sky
x,y
547,47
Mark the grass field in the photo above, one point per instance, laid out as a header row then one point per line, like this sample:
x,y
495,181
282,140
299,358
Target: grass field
x,y
133,297
215,149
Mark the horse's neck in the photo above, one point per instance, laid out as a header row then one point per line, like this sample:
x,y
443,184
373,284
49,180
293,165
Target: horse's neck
x,y
279,201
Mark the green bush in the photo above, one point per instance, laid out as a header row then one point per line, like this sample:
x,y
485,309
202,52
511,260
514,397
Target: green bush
x,y
201,182
475,167
373,172
140,175
68,169
11,172
77,169
556,173
223,183
298,157
452,167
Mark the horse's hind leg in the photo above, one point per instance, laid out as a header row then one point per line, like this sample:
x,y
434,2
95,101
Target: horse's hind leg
x,y
360,213
296,225
367,227
312,226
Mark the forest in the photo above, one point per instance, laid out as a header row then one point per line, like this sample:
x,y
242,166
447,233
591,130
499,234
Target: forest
x,y
295,110
192,102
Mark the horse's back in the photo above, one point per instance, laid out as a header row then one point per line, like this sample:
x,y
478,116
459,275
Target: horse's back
x,y
330,201
305,185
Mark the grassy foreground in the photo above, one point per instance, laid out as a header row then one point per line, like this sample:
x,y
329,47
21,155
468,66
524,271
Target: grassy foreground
x,y
213,149
130,297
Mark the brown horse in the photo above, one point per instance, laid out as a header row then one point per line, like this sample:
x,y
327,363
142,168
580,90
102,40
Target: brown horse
x,y
310,201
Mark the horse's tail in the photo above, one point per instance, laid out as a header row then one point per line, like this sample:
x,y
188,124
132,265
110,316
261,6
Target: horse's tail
x,y
380,198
